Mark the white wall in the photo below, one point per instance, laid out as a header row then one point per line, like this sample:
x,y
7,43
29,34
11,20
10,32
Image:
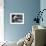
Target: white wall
x,y
1,20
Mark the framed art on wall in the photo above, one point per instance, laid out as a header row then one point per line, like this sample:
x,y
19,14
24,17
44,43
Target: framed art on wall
x,y
16,18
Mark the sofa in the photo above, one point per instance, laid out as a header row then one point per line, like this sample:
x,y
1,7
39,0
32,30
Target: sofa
x,y
39,33
39,37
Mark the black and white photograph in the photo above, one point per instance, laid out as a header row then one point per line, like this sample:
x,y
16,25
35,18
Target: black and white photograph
x,y
16,18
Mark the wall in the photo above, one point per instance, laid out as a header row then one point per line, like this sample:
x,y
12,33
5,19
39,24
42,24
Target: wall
x,y
1,20
43,6
29,8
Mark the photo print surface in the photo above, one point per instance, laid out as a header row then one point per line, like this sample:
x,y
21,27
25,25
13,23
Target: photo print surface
x,y
16,18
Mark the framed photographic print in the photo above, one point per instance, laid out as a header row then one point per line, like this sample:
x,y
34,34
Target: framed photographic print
x,y
16,18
